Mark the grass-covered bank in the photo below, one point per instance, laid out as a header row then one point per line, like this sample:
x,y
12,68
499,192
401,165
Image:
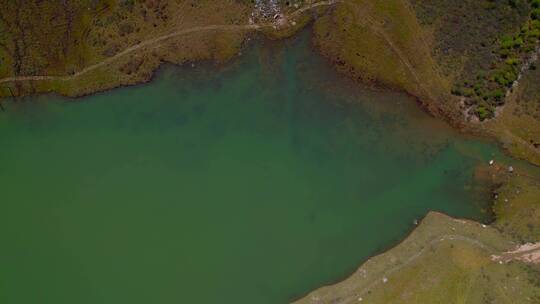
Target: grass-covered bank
x,y
448,260
83,46
382,42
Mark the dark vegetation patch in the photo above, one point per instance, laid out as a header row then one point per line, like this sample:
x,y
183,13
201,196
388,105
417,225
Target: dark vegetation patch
x,y
529,101
482,45
43,35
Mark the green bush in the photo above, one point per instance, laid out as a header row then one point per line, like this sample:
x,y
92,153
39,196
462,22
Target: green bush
x,y
498,94
507,42
499,78
468,92
483,112
512,61
504,53
518,42
510,76
480,75
535,33
535,14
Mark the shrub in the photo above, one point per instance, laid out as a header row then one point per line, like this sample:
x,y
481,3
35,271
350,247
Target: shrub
x,y
512,61
468,92
518,42
507,42
483,112
510,76
535,24
504,53
498,94
499,78
535,33
535,14
480,75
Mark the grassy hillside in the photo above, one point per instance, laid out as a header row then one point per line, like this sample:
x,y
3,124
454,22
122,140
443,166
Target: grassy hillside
x,y
490,49
518,123
382,42
63,38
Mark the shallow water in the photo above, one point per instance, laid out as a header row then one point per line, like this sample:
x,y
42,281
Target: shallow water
x,y
252,183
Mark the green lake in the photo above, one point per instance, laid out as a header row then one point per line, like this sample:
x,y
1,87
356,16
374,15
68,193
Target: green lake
x,y
254,182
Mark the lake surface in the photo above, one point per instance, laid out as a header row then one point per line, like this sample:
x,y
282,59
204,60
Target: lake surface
x,y
251,183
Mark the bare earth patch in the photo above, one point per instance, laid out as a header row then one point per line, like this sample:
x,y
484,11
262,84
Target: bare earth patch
x,y
528,253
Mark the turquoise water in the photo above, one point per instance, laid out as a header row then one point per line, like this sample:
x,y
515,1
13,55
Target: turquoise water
x,y
251,183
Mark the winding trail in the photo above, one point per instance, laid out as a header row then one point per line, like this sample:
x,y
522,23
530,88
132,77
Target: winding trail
x,y
158,40
131,49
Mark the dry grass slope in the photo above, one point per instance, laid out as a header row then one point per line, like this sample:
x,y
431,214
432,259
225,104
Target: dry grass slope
x,y
63,38
382,42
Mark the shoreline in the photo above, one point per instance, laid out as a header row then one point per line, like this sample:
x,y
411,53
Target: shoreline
x,y
407,238
460,126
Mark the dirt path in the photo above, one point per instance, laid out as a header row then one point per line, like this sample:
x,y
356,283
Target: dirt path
x,y
528,253
150,42
158,40
312,6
